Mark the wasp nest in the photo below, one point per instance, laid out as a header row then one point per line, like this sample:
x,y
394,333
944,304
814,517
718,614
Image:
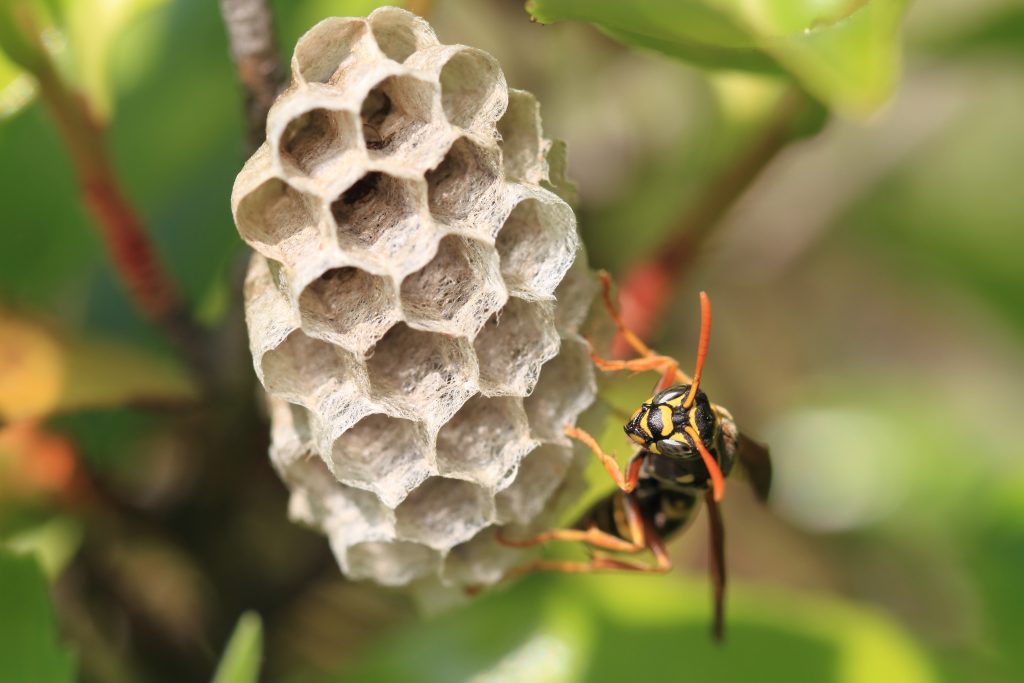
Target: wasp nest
x,y
414,301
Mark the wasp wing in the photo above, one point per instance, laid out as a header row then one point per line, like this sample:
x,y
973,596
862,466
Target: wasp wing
x,y
757,465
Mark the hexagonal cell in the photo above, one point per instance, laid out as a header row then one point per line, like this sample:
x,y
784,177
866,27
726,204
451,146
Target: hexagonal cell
x,y
400,33
575,294
301,366
456,291
443,512
378,211
268,312
290,435
386,455
480,561
395,115
461,190
513,345
540,474
348,514
484,441
473,91
391,564
522,151
320,141
276,219
565,389
421,374
349,307
556,180
537,244
322,52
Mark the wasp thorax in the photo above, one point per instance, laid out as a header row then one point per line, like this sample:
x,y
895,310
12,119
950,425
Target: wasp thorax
x,y
660,424
414,303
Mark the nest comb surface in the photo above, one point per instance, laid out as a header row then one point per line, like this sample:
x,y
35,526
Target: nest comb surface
x,y
414,301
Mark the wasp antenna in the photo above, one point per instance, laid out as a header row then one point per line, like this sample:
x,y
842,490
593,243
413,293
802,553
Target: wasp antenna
x,y
702,348
717,479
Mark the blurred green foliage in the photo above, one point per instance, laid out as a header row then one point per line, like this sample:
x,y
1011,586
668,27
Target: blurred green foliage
x,y
869,326
846,53
241,660
29,647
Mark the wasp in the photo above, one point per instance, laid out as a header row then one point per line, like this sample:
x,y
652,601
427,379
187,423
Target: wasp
x,y
687,448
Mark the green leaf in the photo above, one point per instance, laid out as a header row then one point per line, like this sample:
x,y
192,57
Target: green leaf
x,y
29,648
16,88
845,53
598,629
93,27
241,660
52,544
42,373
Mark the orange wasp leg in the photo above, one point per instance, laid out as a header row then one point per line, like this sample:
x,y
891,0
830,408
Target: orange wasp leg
x,y
600,562
626,482
669,367
592,535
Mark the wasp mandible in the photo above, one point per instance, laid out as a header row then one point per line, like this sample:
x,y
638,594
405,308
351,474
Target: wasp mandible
x,y
687,448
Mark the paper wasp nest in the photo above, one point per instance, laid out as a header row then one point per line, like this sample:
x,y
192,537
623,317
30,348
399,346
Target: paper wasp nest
x,y
413,304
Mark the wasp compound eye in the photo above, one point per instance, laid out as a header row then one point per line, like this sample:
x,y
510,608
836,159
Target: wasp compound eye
x,y
416,327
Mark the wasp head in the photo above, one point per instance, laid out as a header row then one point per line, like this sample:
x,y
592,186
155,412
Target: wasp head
x,y
660,424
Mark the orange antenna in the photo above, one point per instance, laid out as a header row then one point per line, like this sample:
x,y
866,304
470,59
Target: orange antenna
x,y
702,348
717,480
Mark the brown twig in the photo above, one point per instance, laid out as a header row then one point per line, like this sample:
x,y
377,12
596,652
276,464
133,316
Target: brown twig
x,y
122,230
695,226
250,28
646,287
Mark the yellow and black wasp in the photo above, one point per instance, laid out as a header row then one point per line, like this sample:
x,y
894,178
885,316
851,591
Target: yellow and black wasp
x,y
688,446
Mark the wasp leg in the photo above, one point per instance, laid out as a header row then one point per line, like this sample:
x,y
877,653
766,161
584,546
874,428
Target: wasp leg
x,y
626,482
650,360
600,562
716,564
593,535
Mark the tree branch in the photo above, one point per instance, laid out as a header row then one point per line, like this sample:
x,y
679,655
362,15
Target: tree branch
x,y
646,287
128,245
250,29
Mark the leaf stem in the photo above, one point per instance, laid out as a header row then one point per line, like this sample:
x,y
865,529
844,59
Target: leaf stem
x,y
646,287
129,247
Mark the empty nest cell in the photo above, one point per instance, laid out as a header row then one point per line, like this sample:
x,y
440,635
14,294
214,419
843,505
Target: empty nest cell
x,y
300,366
326,48
421,373
383,454
536,244
399,33
484,441
320,141
349,307
461,189
378,208
443,512
521,140
481,561
513,345
276,219
457,290
395,115
566,387
392,564
540,474
472,89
